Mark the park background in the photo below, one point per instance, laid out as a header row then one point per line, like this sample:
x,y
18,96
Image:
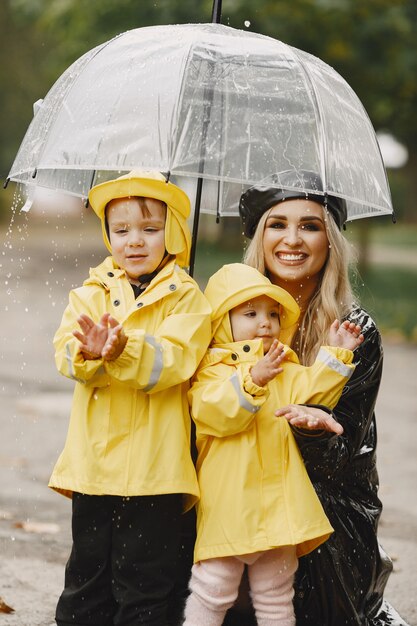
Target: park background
x,y
45,253
371,44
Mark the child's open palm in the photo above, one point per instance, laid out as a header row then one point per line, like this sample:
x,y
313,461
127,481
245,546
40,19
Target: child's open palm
x,y
269,366
116,341
92,336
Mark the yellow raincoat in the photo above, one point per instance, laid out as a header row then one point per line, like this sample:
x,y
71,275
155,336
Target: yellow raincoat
x,y
255,493
129,432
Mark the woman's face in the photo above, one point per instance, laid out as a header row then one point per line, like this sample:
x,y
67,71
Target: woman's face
x,y
295,242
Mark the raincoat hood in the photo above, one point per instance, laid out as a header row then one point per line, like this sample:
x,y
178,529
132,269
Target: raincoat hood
x,y
236,283
149,184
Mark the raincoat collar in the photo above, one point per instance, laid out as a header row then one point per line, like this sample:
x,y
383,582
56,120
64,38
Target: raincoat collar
x,y
235,352
108,275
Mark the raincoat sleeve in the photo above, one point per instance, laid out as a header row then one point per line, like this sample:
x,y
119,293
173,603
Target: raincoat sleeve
x,y
68,358
224,400
322,382
326,455
171,355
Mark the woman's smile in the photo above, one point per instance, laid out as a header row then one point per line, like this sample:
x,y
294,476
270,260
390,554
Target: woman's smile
x,y
291,257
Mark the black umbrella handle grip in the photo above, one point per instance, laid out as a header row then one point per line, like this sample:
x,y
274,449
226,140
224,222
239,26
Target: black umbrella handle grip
x,y
216,14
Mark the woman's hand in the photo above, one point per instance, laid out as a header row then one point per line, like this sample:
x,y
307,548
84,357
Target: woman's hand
x,y
310,418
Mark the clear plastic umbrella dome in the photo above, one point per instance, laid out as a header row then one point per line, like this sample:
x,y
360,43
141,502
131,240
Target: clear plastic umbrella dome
x,y
204,102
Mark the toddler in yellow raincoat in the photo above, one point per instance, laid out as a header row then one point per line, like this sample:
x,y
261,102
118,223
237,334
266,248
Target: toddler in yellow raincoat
x,y
257,505
131,337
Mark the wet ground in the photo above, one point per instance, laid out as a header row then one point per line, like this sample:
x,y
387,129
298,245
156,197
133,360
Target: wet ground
x,y
38,267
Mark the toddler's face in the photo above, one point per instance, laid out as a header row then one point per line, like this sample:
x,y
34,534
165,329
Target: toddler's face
x,y
137,234
256,318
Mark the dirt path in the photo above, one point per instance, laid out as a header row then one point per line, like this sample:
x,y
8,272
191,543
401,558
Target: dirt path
x,y
37,270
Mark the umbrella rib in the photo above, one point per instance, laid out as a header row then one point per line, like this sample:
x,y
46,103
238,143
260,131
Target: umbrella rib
x,y
318,116
175,113
197,202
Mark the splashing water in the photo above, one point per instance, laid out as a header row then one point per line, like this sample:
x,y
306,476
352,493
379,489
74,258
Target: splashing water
x,y
44,253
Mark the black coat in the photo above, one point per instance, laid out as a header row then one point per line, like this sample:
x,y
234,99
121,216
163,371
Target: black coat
x,y
342,582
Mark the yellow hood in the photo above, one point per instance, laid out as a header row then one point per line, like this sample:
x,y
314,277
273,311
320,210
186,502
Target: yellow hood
x,y
236,283
149,185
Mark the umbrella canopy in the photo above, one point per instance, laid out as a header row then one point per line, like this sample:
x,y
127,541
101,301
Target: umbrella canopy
x,y
204,102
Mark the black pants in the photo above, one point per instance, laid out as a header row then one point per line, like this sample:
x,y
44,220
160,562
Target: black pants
x,y
123,562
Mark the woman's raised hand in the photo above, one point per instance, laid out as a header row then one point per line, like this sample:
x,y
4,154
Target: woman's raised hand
x,y
345,335
311,418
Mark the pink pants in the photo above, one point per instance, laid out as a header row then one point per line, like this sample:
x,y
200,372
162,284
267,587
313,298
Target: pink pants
x,y
215,583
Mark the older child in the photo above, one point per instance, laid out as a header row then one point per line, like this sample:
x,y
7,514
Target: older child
x,y
257,503
144,327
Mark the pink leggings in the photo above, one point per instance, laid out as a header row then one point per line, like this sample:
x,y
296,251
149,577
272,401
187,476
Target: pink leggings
x,y
215,583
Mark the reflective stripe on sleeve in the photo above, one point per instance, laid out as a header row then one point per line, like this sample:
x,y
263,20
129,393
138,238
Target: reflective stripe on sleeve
x,y
158,362
70,365
334,364
234,379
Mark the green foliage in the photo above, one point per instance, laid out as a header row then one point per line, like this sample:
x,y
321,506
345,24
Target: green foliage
x,y
83,25
20,76
400,236
210,257
389,294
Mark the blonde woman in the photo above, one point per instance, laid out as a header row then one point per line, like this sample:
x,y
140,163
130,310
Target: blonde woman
x,y
296,242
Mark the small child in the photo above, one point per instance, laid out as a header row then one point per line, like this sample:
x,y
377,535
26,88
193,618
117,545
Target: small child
x,y
258,506
144,327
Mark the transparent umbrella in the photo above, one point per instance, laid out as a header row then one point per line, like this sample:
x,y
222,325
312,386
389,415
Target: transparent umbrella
x,y
214,108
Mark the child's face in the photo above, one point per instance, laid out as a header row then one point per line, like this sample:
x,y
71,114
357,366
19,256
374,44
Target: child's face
x,y
256,319
137,234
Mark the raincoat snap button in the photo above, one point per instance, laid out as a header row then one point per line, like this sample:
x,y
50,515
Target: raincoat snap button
x,y
110,274
116,302
246,348
139,305
172,287
234,357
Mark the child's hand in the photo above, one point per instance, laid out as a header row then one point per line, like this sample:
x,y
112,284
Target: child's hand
x,y
116,341
346,335
269,366
93,336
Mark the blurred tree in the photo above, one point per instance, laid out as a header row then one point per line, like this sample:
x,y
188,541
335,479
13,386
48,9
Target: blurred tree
x,y
83,25
22,76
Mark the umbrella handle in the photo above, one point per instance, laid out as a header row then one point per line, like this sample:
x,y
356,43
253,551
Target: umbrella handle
x,y
196,220
216,13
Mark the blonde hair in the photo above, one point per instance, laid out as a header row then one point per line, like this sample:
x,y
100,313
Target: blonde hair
x,y
333,298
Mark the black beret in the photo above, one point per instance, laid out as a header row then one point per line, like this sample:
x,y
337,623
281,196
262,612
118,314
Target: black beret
x,y
259,198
